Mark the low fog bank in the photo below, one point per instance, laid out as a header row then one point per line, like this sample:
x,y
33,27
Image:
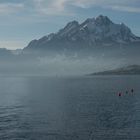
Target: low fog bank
x,y
61,64
67,62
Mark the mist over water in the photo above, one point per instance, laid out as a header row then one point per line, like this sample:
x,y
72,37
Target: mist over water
x,y
67,63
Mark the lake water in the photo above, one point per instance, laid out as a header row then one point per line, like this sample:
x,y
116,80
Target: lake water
x,y
69,108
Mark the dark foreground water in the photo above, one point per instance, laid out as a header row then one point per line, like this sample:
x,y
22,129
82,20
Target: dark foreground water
x,y
82,108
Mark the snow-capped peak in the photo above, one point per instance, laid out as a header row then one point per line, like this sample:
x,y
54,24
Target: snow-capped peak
x,y
97,29
103,20
93,30
70,27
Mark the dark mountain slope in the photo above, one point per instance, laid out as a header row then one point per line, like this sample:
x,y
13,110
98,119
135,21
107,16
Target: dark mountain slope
x,y
129,70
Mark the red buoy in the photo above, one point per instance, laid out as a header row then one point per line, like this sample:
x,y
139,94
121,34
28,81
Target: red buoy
x,y
119,94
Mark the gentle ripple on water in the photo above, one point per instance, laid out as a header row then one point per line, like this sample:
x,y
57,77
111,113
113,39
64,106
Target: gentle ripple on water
x,y
70,109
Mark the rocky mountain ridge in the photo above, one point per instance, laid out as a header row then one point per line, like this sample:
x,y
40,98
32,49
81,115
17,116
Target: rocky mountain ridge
x,y
90,33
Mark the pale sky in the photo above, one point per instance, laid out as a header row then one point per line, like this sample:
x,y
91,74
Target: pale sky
x,y
24,20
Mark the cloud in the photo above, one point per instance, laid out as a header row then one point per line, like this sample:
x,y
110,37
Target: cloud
x,y
125,5
51,7
56,7
63,7
59,7
126,9
8,8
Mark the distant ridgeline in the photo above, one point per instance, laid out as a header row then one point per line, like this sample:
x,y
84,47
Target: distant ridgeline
x,y
129,70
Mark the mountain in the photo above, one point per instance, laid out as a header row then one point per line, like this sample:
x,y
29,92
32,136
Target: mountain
x,y
129,70
99,31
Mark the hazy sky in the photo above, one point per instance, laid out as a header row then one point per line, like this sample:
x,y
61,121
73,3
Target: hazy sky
x,y
24,20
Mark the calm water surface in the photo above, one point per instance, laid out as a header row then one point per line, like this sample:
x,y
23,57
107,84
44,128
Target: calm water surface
x,y
80,108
